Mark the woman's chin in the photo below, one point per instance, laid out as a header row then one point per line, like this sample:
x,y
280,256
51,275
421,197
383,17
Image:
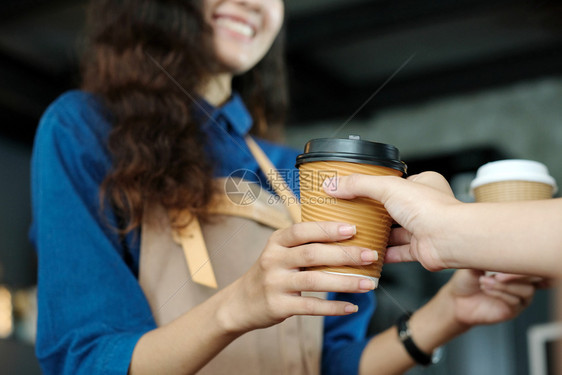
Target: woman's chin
x,y
236,63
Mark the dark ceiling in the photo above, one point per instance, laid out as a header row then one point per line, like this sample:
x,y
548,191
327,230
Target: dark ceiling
x,y
340,53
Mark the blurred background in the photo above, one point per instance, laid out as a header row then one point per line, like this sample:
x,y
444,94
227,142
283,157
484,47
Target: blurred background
x,y
452,84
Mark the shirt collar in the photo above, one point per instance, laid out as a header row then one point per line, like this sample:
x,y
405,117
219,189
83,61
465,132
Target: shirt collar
x,y
234,111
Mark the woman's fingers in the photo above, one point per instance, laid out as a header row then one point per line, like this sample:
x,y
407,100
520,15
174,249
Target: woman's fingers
x,y
318,281
319,307
318,254
303,247
318,231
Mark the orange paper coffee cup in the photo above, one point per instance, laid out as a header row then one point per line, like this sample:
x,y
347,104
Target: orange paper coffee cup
x,y
332,157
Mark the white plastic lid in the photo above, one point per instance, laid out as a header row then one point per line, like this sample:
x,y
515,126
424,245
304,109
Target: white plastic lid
x,y
513,170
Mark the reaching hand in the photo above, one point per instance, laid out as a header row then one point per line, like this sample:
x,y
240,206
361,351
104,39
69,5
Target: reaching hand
x,y
480,299
418,204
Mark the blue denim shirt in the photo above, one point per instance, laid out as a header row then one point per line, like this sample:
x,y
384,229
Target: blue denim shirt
x,y
92,310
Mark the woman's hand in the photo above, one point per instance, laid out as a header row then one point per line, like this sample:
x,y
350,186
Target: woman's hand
x,y
271,290
479,299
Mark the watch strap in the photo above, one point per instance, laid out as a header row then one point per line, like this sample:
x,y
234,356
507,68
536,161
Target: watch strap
x,y
405,335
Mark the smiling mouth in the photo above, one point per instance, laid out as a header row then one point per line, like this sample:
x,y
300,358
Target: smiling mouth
x,y
236,26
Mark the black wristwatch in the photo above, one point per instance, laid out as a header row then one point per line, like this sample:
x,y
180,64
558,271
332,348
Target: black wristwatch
x,y
405,335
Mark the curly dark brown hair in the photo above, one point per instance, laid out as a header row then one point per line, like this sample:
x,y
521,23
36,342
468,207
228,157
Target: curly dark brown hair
x,y
157,148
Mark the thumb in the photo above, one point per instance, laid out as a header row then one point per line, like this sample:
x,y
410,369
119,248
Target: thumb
x,y
358,185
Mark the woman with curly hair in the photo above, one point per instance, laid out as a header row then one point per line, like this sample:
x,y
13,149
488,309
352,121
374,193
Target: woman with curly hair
x,y
171,91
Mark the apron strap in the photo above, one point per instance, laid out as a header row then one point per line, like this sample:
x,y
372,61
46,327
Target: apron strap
x,y
275,180
264,209
196,255
191,238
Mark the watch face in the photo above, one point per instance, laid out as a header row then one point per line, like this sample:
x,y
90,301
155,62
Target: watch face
x,y
437,355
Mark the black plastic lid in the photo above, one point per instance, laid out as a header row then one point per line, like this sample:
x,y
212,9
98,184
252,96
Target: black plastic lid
x,y
352,150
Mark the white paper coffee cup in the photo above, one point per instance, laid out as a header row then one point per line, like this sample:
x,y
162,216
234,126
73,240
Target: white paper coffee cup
x,y
512,180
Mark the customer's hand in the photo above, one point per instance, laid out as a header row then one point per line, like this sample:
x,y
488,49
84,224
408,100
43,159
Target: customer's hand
x,y
479,299
271,290
419,204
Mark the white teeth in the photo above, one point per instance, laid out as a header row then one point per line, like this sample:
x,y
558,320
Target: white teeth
x,y
236,26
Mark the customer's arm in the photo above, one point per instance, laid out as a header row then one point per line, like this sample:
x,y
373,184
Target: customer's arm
x,y
468,299
517,237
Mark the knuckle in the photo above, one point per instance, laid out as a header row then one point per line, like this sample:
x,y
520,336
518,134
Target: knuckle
x,y
309,306
267,260
349,182
529,291
275,236
297,231
268,284
308,282
308,254
270,296
353,179
435,180
271,307
430,175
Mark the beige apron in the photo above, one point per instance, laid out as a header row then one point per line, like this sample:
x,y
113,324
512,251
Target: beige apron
x,y
234,240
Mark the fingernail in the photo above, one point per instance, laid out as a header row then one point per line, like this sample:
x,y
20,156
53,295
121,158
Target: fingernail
x,y
369,256
347,230
502,276
351,309
366,284
487,283
490,281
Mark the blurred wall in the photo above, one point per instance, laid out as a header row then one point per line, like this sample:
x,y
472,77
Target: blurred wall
x,y
17,258
524,120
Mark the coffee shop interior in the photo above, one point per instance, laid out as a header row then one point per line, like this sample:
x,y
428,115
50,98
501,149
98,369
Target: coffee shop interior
x,y
452,84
